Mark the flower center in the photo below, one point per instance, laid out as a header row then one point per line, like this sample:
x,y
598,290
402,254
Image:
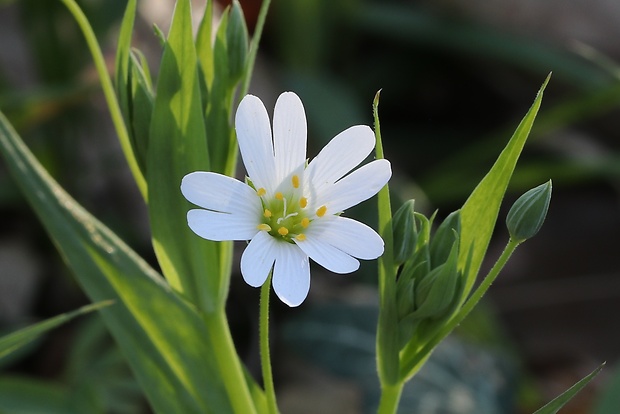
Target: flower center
x,y
285,215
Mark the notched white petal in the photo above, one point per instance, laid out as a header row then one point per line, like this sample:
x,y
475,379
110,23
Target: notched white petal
x,y
255,143
356,187
220,193
216,226
328,256
343,153
257,259
348,235
289,134
291,274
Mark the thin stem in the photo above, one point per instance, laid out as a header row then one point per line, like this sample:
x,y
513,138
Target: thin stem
x,y
258,31
228,362
416,361
265,357
390,396
110,96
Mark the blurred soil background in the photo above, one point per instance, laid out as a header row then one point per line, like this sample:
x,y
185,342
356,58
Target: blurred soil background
x,y
456,78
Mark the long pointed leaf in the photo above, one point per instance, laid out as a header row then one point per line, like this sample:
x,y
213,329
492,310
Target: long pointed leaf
x,y
164,339
554,405
177,147
16,340
479,213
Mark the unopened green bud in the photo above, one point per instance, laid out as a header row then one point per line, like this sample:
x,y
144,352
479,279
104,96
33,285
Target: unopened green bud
x,y
443,239
528,213
435,293
405,232
236,42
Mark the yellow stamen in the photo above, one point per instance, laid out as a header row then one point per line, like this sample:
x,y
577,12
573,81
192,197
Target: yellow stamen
x,y
321,211
300,237
279,195
267,213
295,180
305,222
261,192
303,202
283,231
264,227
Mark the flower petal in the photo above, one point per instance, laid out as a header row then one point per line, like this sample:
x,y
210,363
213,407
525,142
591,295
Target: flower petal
x,y
291,274
219,193
326,255
350,236
289,134
356,187
216,226
254,137
257,259
343,153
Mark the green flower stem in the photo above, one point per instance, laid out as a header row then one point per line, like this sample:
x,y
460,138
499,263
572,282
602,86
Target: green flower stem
x,y
229,365
390,396
413,363
265,358
108,91
258,31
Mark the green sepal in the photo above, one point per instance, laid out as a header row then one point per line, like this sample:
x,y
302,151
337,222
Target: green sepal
x,y
528,213
405,232
435,292
443,239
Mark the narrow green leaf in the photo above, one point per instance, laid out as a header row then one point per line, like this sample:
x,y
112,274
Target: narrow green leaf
x,y
108,91
479,213
16,340
122,58
177,146
387,329
204,45
26,395
554,406
164,339
140,110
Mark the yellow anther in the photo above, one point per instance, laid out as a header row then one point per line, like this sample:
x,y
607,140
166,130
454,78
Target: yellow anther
x,y
264,227
279,195
300,237
261,192
305,222
283,231
267,213
295,180
321,211
303,202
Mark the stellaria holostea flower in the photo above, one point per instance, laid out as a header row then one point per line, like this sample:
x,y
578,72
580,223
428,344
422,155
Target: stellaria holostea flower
x,y
288,209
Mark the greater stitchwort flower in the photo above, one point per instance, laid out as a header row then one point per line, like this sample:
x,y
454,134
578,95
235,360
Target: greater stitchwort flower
x,y
290,210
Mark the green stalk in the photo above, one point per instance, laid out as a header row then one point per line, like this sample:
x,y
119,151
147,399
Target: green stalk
x,y
258,31
390,396
110,96
229,364
265,358
413,363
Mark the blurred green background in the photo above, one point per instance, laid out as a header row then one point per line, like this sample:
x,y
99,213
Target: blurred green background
x,y
456,78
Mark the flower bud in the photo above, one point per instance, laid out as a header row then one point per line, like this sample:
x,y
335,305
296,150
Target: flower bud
x,y
443,239
405,232
236,42
528,213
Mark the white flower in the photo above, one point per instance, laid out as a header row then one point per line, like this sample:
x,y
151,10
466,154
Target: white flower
x,y
288,209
